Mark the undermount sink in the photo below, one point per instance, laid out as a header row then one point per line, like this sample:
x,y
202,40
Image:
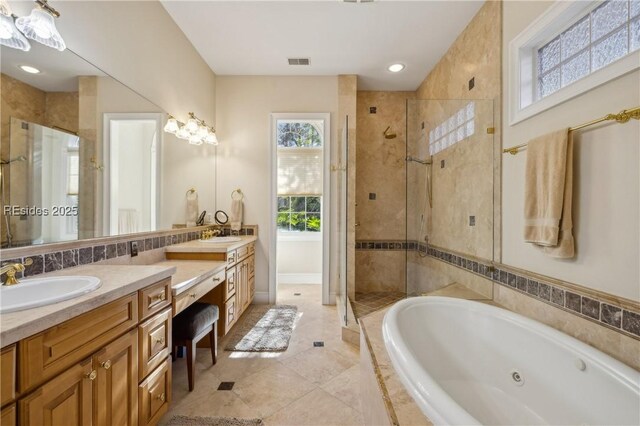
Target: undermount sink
x,y
222,240
34,292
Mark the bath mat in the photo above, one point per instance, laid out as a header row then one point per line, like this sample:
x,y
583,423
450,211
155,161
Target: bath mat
x,y
265,328
213,421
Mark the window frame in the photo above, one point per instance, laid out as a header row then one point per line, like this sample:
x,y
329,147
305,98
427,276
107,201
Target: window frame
x,y
305,233
523,62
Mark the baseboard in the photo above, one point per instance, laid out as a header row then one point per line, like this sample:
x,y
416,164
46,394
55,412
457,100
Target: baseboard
x,y
261,297
300,278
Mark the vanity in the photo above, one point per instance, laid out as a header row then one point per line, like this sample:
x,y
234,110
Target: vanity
x,y
104,357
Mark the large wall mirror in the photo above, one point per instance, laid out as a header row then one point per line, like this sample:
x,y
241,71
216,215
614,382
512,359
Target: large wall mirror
x,y
82,154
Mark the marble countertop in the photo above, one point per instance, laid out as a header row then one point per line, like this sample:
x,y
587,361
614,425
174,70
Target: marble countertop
x,y
191,272
399,401
197,246
116,281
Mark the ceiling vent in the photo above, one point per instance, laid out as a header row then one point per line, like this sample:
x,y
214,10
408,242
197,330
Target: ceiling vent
x,y
298,61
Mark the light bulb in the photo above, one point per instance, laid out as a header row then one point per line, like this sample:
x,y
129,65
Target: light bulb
x,y
171,126
195,140
40,26
211,139
192,125
203,131
183,133
10,36
6,28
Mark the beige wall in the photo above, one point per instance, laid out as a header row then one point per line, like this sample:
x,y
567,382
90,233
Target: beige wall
x,y
244,105
607,181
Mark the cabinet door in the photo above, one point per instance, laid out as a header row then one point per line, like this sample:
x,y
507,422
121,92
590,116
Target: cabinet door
x,y
245,282
117,382
240,292
65,400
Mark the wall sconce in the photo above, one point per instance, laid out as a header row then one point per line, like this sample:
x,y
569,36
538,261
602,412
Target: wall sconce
x,y
39,26
194,130
10,36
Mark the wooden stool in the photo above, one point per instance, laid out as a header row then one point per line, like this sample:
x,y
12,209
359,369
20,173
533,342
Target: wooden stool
x,y
192,325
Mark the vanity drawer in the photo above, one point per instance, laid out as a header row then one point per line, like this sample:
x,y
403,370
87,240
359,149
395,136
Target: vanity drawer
x,y
154,298
252,248
229,314
50,352
154,341
230,284
154,395
8,416
251,266
232,258
7,374
191,295
242,252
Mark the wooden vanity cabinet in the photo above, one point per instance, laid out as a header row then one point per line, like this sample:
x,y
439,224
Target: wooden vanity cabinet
x,y
92,369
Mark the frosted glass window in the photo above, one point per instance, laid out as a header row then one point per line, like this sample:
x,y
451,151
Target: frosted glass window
x,y
457,127
602,36
576,68
575,38
635,34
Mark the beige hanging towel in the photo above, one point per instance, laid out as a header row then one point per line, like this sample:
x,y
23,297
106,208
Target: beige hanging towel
x,y
192,207
548,194
237,208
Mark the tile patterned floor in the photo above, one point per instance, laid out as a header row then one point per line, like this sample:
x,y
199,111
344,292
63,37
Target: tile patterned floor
x,y
366,303
304,385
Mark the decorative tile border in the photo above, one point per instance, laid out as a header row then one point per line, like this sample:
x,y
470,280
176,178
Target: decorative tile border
x,y
607,313
71,257
385,245
603,312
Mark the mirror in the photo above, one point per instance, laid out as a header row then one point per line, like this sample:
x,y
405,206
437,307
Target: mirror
x,y
82,154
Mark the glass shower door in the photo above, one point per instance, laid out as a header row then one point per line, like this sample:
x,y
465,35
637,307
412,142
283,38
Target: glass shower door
x,y
342,178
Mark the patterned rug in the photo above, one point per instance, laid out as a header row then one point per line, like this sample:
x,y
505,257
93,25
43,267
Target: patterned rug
x,y
213,421
265,328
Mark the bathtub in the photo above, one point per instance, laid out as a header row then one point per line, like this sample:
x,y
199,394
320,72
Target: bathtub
x,y
469,363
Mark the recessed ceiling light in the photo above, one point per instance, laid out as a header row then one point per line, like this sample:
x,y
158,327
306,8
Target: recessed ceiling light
x,y
30,70
396,67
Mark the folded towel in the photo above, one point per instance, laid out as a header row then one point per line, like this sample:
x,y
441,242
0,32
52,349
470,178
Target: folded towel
x,y
235,216
548,194
192,208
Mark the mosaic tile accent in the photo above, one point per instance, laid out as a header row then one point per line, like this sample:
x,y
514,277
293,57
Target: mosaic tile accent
x,y
385,245
615,317
57,260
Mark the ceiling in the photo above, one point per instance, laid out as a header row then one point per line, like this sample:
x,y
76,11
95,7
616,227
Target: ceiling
x,y
257,37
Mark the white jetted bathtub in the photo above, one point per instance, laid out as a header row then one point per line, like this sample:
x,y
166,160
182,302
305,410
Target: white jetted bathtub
x,y
469,363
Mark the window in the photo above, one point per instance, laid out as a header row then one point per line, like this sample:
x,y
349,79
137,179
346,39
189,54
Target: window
x,y
606,34
299,213
300,178
570,49
456,128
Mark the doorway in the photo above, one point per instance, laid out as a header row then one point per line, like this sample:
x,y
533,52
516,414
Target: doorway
x,y
132,172
300,205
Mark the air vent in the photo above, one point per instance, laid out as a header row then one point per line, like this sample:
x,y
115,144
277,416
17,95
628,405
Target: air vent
x,y
298,61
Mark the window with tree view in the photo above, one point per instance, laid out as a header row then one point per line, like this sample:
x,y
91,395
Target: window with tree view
x,y
300,144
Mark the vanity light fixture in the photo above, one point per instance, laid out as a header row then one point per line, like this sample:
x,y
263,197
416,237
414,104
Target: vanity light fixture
x,y
41,27
194,130
9,34
30,70
396,67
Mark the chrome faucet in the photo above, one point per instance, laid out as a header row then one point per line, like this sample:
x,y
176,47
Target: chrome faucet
x,y
11,268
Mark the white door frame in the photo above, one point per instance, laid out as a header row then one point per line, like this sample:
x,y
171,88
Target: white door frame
x,y
326,201
159,118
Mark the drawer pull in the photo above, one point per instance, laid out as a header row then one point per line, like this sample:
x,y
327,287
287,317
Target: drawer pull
x,y
159,296
216,279
161,397
192,295
158,340
106,365
92,375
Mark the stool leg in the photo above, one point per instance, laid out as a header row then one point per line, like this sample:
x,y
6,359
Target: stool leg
x,y
213,337
191,362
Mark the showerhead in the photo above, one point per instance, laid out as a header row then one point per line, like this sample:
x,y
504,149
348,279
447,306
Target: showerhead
x,y
417,160
19,158
389,135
